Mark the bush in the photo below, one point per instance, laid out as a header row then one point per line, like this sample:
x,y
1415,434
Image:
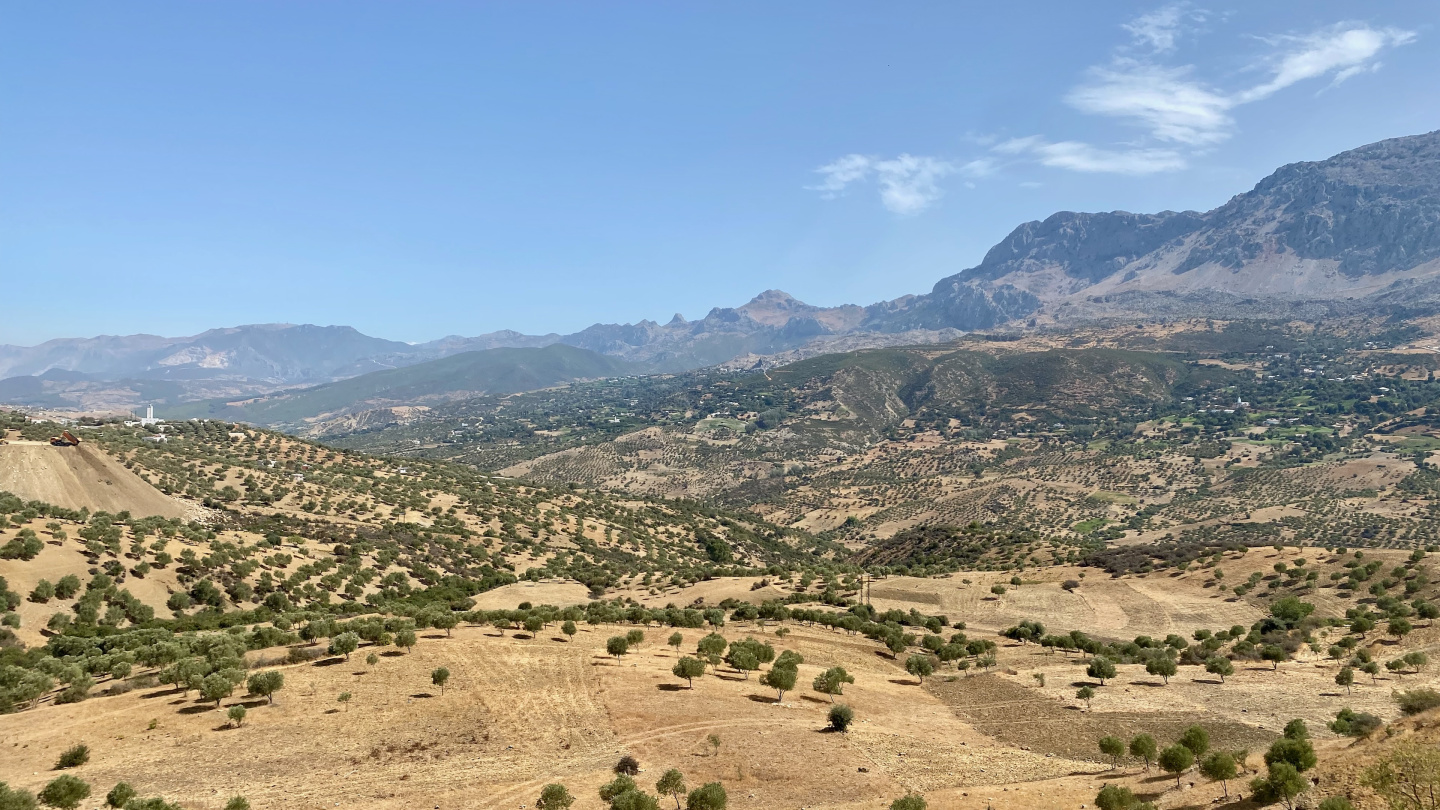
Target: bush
x,y
120,794
627,766
1415,701
554,796
73,757
913,801
16,799
841,716
1355,724
709,796
237,803
65,792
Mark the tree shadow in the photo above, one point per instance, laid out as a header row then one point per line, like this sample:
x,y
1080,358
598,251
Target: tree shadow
x,y
391,654
332,711
557,638
813,699
1150,684
763,699
225,727
198,709
671,687
905,682
419,695
436,635
1207,680
329,662
728,677
250,704
161,693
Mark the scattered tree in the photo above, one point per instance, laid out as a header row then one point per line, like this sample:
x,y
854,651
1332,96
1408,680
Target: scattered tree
x,y
921,666
344,699
689,669
841,716
1409,778
1220,766
617,646
118,796
266,683
439,676
568,628
781,679
1162,665
1196,739
236,715
1346,678
1143,747
911,801
1101,669
672,782
1085,693
832,682
1219,665
675,641
1176,759
1112,747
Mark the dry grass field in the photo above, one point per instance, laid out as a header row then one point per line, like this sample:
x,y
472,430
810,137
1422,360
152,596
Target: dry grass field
x,y
519,712
79,477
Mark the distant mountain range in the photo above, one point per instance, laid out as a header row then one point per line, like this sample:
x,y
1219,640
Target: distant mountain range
x,y
1357,232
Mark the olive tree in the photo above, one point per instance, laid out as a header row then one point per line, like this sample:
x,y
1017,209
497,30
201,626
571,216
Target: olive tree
x,y
1176,759
439,676
266,683
689,669
832,682
781,679
672,783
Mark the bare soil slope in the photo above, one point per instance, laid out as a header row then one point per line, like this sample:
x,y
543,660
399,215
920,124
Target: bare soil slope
x,y
79,477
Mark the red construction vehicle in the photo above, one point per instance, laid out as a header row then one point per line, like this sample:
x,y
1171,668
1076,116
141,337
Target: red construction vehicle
x,y
65,439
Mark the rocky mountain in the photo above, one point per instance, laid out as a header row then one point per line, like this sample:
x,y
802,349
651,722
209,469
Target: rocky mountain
x,y
1362,224
1356,232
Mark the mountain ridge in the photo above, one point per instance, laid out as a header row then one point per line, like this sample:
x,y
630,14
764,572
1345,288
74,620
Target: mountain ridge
x,y
1357,232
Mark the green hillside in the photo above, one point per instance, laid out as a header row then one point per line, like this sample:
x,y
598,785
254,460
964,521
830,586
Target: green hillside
x,y
492,371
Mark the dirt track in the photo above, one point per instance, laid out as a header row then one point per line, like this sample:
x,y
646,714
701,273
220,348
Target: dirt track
x,y
76,477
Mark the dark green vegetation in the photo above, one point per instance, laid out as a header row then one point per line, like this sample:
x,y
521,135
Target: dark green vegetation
x,y
492,371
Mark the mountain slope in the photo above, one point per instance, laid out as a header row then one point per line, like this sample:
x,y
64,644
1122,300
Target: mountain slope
x,y
493,371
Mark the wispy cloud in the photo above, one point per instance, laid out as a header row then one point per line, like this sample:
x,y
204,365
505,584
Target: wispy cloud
x,y
1180,115
908,184
1345,49
1160,30
1176,113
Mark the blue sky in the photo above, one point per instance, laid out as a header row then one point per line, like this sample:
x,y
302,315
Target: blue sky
x,y
422,169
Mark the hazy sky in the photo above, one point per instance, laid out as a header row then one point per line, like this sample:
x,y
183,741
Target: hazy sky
x,y
428,168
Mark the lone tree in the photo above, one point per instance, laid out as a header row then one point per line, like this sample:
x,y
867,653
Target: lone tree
x,y
568,628
832,682
689,669
675,641
406,639
1220,766
1176,759
1162,665
617,646
439,676
344,698
444,621
1219,665
781,679
554,797
1112,747
1346,678
65,792
1274,654
672,783
236,715
1101,669
372,659
1143,748
266,683
627,766
841,716
635,638
1085,693
533,626
921,666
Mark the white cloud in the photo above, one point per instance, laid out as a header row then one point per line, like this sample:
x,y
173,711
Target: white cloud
x,y
908,184
1346,49
1179,114
1179,111
1167,102
840,174
1160,29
